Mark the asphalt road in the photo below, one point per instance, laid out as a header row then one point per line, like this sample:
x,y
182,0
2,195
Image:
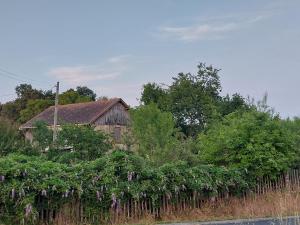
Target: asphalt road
x,y
265,221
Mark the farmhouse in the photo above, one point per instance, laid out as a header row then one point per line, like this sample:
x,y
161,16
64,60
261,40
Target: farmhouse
x,y
110,116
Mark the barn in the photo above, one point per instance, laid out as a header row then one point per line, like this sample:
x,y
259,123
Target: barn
x,y
108,115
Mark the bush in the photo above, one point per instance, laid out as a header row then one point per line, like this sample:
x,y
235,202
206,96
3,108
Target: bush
x,y
74,143
156,136
10,138
256,142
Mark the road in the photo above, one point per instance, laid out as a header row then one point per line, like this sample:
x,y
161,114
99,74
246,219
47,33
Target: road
x,y
264,221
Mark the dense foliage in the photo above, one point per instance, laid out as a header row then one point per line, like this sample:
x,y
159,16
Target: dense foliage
x,y
84,143
109,180
193,99
74,143
183,138
9,137
157,138
253,141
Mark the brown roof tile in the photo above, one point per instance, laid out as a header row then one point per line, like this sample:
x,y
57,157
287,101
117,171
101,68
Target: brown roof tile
x,y
78,113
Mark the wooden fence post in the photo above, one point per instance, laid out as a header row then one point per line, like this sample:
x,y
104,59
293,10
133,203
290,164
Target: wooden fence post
x,y
287,181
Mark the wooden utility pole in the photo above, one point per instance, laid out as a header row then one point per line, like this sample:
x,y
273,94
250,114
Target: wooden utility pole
x,y
55,113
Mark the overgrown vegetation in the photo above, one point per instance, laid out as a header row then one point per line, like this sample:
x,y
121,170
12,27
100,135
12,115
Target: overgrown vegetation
x,y
184,138
254,141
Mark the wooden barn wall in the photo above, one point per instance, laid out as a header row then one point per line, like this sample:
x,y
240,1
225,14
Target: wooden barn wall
x,y
117,115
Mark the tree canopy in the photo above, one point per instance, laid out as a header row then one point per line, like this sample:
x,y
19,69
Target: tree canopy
x,y
193,99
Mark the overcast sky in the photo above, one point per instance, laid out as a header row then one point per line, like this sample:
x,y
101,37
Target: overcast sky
x,y
114,47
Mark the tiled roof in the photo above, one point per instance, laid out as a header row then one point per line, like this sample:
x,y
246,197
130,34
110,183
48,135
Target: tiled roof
x,y
78,113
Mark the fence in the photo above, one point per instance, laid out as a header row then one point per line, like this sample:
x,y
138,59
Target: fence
x,y
76,213
290,181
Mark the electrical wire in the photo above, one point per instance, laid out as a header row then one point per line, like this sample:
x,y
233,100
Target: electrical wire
x,y
11,77
17,77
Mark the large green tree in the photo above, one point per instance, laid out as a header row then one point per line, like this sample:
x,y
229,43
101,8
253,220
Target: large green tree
x,y
25,93
85,91
154,93
229,104
71,96
33,108
191,98
156,135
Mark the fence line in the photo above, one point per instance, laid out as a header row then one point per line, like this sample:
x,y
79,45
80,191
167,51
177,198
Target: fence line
x,y
76,213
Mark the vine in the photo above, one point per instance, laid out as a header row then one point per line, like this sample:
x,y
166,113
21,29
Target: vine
x,y
102,183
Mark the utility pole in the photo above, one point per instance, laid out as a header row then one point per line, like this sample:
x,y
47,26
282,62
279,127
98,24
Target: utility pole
x,y
55,113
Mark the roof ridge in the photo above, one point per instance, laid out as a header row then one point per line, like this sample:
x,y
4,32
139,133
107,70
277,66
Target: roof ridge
x,y
97,101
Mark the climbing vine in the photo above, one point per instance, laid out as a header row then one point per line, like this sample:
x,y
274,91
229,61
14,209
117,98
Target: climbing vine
x,y
103,183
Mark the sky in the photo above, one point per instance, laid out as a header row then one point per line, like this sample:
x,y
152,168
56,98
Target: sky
x,y
114,47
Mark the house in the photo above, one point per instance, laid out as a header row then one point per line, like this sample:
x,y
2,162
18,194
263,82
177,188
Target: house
x,y
110,116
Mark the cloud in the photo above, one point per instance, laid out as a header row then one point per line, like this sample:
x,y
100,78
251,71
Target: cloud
x,y
119,58
85,74
197,32
211,28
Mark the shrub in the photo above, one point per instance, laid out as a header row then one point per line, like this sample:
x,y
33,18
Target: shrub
x,y
10,138
256,142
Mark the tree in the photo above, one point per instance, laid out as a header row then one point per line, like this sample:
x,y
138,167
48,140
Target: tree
x,y
85,91
156,135
11,110
231,104
192,99
153,93
33,108
71,96
254,141
25,92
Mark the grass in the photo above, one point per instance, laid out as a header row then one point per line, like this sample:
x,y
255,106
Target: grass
x,y
273,204
277,204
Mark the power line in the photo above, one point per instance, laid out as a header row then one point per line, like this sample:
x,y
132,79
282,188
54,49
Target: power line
x,y
14,76
17,76
11,77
